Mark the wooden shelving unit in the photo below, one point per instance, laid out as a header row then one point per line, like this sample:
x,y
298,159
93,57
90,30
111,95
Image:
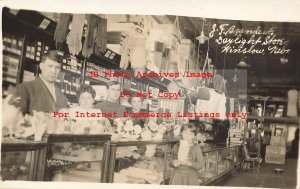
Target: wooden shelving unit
x,y
287,120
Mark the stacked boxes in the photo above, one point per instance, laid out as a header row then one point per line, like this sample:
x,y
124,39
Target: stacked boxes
x,y
275,152
12,47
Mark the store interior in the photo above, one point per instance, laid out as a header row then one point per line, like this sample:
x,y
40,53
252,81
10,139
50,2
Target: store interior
x,y
254,88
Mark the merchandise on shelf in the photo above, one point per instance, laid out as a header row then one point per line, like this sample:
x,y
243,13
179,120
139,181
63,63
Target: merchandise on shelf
x,y
12,50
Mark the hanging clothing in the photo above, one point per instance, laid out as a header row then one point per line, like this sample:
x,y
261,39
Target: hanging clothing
x,y
125,52
90,38
61,29
292,103
138,52
75,35
215,104
138,58
101,36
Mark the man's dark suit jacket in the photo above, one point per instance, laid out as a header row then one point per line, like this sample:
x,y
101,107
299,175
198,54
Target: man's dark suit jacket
x,y
36,96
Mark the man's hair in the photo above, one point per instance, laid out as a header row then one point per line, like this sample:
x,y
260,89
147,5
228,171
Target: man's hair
x,y
85,88
54,55
112,83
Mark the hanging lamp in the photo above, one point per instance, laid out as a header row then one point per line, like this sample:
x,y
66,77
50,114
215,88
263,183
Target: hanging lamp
x,y
284,60
242,63
234,79
202,38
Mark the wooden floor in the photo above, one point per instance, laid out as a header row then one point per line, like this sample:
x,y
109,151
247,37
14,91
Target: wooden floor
x,y
267,178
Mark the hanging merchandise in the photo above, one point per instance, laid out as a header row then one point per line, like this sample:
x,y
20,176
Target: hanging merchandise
x,y
184,50
138,52
75,35
61,29
215,104
124,52
90,38
101,36
154,61
292,103
176,37
156,48
219,83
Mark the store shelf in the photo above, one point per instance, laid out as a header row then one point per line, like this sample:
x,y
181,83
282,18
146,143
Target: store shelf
x,y
97,81
70,72
288,120
103,61
20,145
15,55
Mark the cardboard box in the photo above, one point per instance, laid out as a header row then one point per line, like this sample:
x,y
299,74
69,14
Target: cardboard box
x,y
275,159
277,150
278,141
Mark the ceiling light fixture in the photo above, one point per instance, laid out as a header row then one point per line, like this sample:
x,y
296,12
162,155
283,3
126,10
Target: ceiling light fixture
x,y
202,38
242,63
234,79
284,60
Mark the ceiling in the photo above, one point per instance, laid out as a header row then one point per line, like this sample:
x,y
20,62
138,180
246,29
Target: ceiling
x,y
271,77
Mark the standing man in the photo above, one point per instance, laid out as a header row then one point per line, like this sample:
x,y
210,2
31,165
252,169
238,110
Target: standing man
x,y
41,94
112,102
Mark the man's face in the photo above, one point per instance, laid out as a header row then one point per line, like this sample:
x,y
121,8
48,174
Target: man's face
x,y
113,93
50,70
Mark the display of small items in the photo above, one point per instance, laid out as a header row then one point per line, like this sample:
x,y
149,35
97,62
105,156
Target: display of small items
x,y
68,84
98,70
69,79
12,50
36,50
15,165
72,64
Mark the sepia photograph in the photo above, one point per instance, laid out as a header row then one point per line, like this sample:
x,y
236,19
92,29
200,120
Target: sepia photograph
x,y
144,99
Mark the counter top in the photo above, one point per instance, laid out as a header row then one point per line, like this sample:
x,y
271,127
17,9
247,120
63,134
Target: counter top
x,y
214,147
21,145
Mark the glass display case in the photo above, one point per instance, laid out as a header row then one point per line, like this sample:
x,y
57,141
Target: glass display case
x,y
140,162
78,158
149,162
22,159
218,162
